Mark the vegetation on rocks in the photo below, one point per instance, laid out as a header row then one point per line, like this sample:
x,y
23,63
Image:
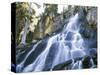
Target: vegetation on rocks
x,y
46,23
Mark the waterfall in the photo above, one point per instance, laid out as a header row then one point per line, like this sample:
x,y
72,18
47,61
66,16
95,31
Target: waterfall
x,y
19,66
39,63
68,45
25,29
24,32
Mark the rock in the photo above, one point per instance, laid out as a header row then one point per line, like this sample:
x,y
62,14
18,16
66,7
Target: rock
x,y
92,16
90,43
21,53
34,41
82,14
77,54
66,65
62,66
89,26
35,53
95,61
51,56
68,44
20,46
69,36
86,62
93,52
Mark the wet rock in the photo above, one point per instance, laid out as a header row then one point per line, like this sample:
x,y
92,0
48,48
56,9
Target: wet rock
x,y
68,44
51,56
35,53
86,62
69,36
82,14
77,54
95,61
88,28
63,66
22,53
90,43
93,52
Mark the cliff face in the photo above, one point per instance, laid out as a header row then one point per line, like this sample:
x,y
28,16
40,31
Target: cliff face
x,y
52,24
89,29
50,21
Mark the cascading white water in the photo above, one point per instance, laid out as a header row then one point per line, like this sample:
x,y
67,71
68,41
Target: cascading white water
x,y
19,66
39,63
25,29
77,48
70,47
24,32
